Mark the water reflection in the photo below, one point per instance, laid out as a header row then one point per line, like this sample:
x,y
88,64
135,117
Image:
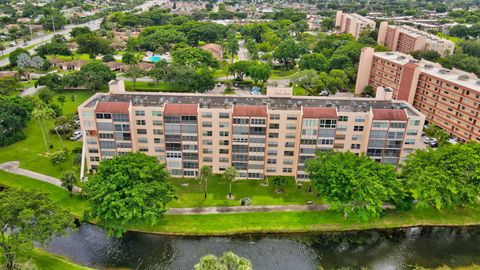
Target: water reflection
x,y
385,249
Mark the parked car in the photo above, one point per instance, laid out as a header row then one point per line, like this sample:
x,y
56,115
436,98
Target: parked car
x,y
426,140
76,135
433,143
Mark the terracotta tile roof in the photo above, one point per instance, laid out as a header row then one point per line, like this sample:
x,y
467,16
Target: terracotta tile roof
x,y
390,114
112,107
180,109
323,113
250,110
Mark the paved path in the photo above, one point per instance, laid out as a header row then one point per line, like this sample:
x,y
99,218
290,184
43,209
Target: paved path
x,y
13,167
30,91
245,209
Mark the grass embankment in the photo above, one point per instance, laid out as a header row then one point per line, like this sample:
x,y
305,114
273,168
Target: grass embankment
x,y
270,222
46,261
31,151
193,194
152,87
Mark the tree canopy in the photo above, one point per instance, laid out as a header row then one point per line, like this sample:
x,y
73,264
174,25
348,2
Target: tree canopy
x,y
27,218
194,57
95,74
15,112
228,261
355,186
448,176
128,188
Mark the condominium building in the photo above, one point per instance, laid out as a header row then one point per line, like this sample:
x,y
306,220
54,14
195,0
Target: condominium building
x,y
407,39
449,99
258,135
352,24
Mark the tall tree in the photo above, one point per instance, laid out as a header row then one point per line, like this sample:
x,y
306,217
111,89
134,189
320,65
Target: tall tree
x,y
228,261
259,72
68,181
126,189
316,61
15,112
202,81
231,45
229,175
445,177
355,186
95,74
13,56
93,45
194,57
134,73
205,173
27,218
9,85
41,114
288,51
129,58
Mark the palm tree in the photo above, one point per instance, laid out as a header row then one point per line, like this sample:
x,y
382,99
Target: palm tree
x,y
40,115
205,173
68,181
229,175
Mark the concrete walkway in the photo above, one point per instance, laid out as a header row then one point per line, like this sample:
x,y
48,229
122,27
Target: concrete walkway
x,y
245,209
14,167
30,91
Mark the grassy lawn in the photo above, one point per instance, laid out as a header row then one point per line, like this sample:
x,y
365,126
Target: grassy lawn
x,y
47,261
193,194
152,87
27,84
224,224
279,74
299,91
31,151
73,204
74,56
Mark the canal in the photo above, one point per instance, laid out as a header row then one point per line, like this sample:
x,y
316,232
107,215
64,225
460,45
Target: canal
x,y
374,249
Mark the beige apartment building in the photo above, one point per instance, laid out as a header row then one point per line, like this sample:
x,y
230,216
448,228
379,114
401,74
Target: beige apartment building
x,y
406,39
258,135
354,24
448,98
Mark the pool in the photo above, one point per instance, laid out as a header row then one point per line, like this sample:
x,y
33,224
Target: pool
x,y
154,58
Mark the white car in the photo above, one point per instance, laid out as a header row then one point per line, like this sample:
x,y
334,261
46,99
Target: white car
x,y
76,135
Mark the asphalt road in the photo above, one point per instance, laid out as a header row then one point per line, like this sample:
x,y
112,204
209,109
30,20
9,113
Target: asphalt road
x,y
93,25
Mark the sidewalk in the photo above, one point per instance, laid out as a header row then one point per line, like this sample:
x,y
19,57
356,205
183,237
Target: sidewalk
x,y
13,167
245,209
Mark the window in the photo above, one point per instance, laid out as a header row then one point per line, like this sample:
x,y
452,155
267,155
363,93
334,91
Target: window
x,y
223,133
271,161
92,141
207,115
274,126
356,137
273,135
223,160
141,122
124,145
359,119
93,150
287,161
94,159
206,124
343,118
378,124
341,128
291,127
207,142
223,124
224,115
157,140
326,123
106,127
87,114
158,132
174,155
287,170
274,116
397,125
358,128
142,140
223,151
325,141
414,122
272,144
288,153
290,135
410,141
355,146
272,152
141,131
120,117
240,121
103,116
290,144
207,133
156,113
310,122
105,136
291,117
157,122
412,132
224,142
140,113
207,159
257,121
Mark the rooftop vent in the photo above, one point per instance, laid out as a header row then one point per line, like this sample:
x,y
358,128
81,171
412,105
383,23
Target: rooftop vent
x,y
401,57
463,77
443,71
390,53
428,66
478,82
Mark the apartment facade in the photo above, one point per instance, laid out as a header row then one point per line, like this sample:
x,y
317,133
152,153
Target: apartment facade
x,y
449,99
258,135
407,39
353,23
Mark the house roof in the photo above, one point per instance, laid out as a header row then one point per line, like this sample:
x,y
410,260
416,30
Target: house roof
x,y
112,107
250,110
113,64
213,47
180,109
316,112
390,114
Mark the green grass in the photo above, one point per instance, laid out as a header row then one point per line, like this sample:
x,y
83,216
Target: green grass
x,y
152,87
299,91
31,151
283,222
74,204
280,74
47,261
72,57
27,84
193,194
